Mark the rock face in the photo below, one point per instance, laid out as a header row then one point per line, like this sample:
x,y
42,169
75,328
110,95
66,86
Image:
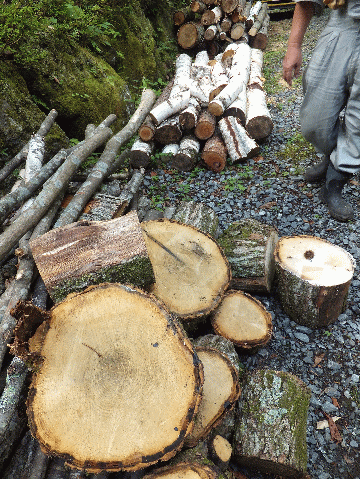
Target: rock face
x,y
84,82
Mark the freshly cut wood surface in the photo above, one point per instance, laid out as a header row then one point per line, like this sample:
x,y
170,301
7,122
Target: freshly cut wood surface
x,y
84,253
191,271
185,470
119,384
313,277
243,320
220,391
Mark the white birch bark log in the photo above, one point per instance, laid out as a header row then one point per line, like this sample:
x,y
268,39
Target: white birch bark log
x,y
172,105
211,32
238,107
219,78
169,151
212,16
188,117
140,153
238,143
253,14
256,64
224,99
201,59
35,157
241,64
186,157
259,20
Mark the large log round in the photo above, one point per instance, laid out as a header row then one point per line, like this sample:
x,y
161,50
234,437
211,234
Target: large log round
x,y
119,384
313,278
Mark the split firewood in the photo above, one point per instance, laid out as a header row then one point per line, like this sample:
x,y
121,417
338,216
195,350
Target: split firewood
x,y
147,129
181,16
191,272
228,6
220,451
79,255
211,16
28,461
205,125
242,319
249,247
188,470
214,153
171,367
169,131
140,153
189,116
187,155
198,215
238,143
313,278
51,190
19,158
12,411
198,6
253,14
260,39
259,20
259,124
270,435
190,35
220,392
13,200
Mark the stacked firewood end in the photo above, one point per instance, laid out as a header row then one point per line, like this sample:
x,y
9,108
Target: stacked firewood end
x,y
215,107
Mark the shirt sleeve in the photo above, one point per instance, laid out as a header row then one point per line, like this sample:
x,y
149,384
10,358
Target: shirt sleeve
x,y
318,5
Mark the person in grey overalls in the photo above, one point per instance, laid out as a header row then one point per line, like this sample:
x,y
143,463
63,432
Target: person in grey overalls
x,y
330,112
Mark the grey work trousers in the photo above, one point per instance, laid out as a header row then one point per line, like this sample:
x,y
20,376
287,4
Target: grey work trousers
x,y
331,85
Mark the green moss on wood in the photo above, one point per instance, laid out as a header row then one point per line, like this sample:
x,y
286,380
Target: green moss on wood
x,y
138,272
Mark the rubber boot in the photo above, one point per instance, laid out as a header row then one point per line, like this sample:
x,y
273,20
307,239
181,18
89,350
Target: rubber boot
x,y
330,194
318,171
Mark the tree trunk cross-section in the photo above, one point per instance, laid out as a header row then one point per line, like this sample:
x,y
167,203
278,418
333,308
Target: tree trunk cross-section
x,y
91,252
191,271
314,277
95,401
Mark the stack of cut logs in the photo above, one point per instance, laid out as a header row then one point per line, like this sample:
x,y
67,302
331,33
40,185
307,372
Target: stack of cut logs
x,y
215,106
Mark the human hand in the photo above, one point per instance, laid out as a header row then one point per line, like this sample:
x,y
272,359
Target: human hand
x,y
292,63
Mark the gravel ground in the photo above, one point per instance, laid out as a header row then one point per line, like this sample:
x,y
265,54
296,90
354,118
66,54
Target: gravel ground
x,y
271,189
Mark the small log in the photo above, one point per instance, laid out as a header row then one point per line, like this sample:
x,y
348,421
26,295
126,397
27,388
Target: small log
x,y
187,156
190,35
223,100
140,153
197,6
169,151
229,6
169,131
184,259
225,24
260,39
270,435
198,215
168,108
211,16
147,128
237,109
220,392
214,153
19,158
78,255
249,247
237,30
35,157
91,370
219,78
189,116
242,319
259,124
205,125
54,187
253,14
238,15
225,346
238,143
181,16
313,278
260,18
220,451
211,32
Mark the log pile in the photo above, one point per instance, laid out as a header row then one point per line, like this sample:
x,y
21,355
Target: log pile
x,y
215,106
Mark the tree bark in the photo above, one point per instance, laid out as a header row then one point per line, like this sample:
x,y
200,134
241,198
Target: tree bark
x,y
243,320
80,254
169,131
187,156
184,259
271,433
140,153
93,373
313,278
52,189
249,247
260,39
259,20
220,392
198,215
211,16
253,14
219,78
189,116
214,153
169,151
237,109
238,143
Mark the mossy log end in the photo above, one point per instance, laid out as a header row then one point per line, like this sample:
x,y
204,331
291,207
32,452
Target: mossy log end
x,y
249,246
191,271
313,279
270,435
80,254
119,384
